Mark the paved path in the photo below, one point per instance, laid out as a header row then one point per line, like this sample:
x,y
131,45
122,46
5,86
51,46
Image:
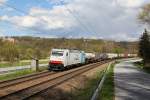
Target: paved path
x,y
131,83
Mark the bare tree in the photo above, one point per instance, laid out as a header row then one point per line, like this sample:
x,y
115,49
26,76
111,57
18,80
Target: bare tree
x,y
144,15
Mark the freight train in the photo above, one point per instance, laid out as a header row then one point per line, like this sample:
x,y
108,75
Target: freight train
x,y
61,59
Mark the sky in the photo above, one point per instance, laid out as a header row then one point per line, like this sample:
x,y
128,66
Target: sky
x,y
95,19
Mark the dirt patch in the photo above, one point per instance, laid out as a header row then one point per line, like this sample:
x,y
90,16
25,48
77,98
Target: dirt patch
x,y
64,91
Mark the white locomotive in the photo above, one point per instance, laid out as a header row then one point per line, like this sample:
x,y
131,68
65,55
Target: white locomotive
x,y
62,58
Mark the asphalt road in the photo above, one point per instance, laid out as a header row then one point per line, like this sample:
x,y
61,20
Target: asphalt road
x,y
130,82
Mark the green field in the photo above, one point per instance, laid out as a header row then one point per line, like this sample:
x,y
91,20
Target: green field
x,y
22,63
15,74
20,73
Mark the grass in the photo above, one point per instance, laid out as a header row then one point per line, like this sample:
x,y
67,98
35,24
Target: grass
x,y
7,64
140,65
117,61
43,68
107,92
88,90
15,74
19,73
20,63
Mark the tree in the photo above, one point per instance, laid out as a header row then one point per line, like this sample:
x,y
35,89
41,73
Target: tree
x,y
118,51
37,54
144,15
29,53
1,46
10,52
144,48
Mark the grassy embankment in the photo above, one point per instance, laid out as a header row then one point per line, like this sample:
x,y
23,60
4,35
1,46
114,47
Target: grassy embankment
x,y
21,63
19,73
15,74
140,65
87,91
107,90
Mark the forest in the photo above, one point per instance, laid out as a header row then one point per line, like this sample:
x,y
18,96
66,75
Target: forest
x,y
24,48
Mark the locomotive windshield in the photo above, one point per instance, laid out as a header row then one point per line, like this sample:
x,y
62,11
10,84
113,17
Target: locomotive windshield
x,y
56,53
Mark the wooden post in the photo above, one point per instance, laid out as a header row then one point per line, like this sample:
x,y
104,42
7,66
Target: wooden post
x,y
35,64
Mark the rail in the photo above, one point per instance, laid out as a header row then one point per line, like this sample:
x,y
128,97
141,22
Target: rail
x,y
45,83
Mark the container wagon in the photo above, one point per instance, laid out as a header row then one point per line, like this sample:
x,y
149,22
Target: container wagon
x,y
65,58
112,55
101,56
90,57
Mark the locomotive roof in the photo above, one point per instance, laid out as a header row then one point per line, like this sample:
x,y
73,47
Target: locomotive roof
x,y
72,50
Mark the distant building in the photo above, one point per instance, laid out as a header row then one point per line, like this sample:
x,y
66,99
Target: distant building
x,y
9,39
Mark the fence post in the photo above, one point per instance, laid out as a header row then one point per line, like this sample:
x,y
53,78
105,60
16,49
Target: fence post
x,y
35,64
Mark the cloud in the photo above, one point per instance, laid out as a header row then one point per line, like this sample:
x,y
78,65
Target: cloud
x,y
130,3
5,17
1,34
58,2
48,19
108,19
2,2
123,37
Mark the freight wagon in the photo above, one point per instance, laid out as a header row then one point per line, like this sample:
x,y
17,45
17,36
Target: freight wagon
x,y
101,56
112,55
90,57
95,57
65,58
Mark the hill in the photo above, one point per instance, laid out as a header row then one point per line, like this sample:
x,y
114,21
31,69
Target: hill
x,y
27,47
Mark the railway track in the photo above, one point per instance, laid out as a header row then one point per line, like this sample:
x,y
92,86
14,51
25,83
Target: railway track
x,y
27,87
19,80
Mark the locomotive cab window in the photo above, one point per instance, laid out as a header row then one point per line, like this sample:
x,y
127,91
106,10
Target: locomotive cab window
x,y
55,53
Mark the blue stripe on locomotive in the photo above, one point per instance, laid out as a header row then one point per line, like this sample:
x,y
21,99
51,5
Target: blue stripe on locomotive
x,y
82,57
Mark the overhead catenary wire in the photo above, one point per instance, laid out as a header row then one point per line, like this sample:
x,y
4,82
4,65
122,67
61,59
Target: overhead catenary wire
x,y
83,26
23,27
76,17
26,28
89,24
25,13
21,11
78,20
